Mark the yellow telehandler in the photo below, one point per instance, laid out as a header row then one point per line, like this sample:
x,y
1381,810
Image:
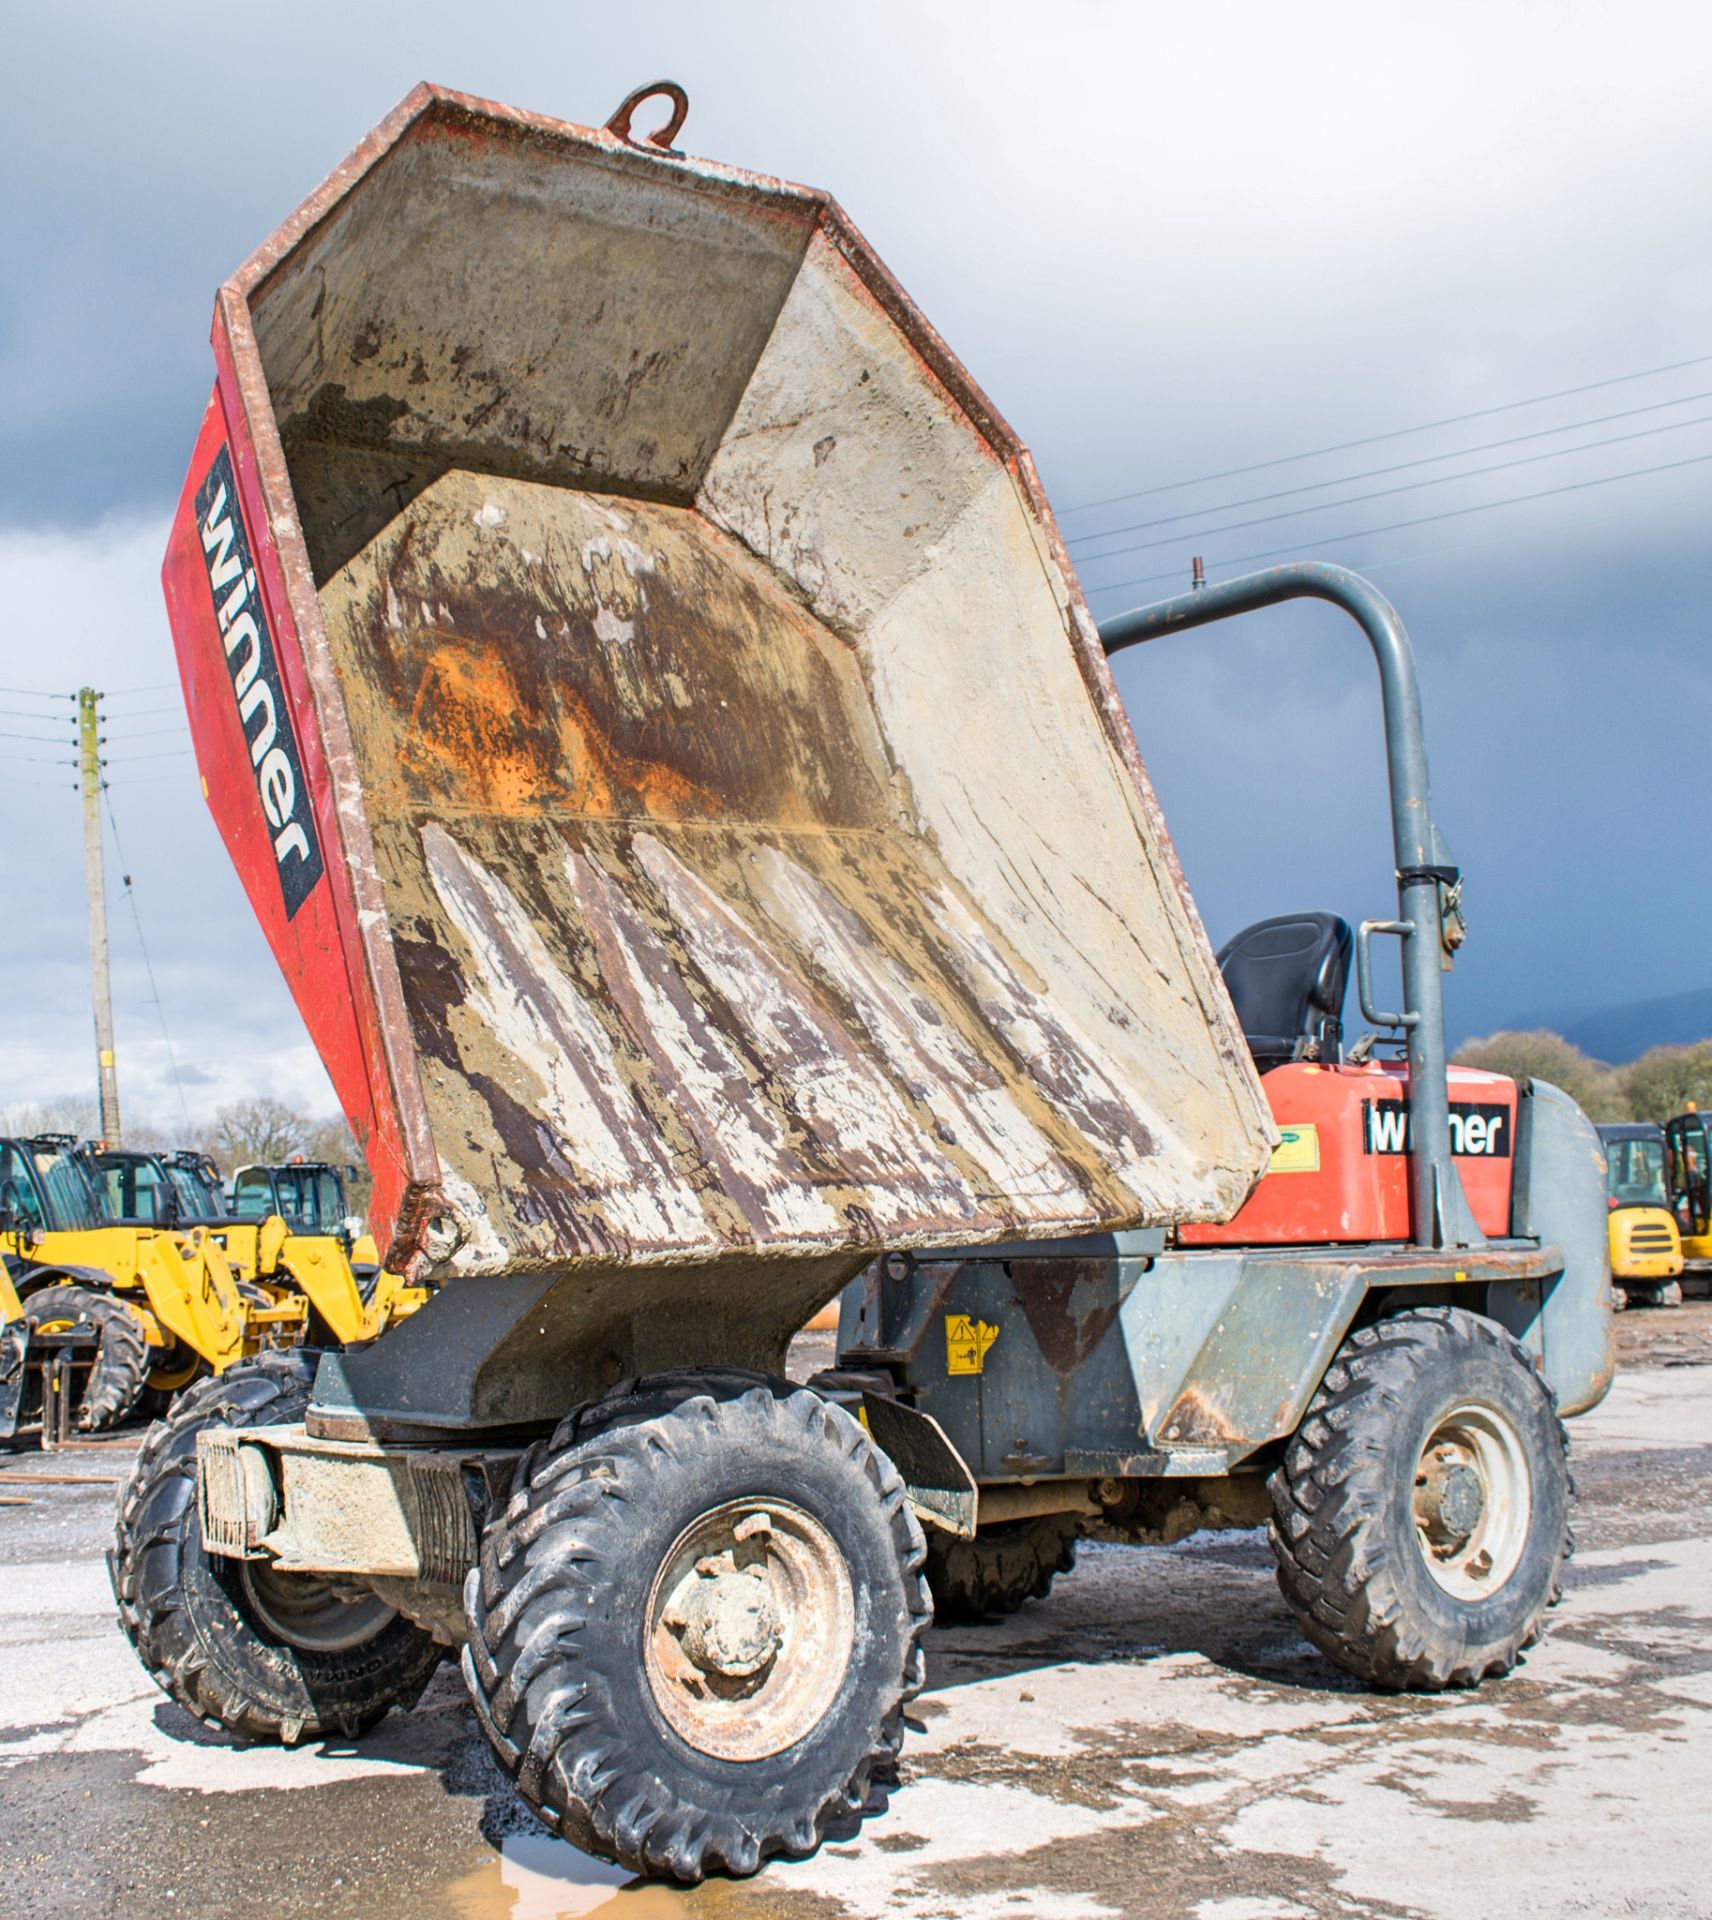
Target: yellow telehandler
x,y
283,1235
165,1305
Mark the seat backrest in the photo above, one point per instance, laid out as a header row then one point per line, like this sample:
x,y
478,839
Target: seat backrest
x,y
1287,978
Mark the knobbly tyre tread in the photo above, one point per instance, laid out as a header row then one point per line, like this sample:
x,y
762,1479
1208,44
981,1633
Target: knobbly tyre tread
x,y
1000,1570
544,1686
120,1372
1343,1571
220,1667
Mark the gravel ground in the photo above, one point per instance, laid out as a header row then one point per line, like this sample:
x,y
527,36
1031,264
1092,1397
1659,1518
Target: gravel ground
x,y
1154,1739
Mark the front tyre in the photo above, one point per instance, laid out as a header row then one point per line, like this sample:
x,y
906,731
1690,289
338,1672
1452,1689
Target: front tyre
x,y
1421,1513
268,1656
697,1621
121,1364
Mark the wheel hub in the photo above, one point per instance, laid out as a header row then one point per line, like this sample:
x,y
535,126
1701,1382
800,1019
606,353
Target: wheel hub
x,y
1473,1501
730,1626
1450,1498
751,1623
307,1611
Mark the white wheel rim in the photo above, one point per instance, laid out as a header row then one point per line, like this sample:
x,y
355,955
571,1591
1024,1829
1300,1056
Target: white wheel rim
x,y
750,1627
1473,1500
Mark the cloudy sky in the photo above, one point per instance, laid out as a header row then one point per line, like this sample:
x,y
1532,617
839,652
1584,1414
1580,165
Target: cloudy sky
x,y
1170,242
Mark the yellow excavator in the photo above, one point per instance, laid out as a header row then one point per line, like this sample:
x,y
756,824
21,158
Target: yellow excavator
x,y
284,1235
1688,1173
1646,1247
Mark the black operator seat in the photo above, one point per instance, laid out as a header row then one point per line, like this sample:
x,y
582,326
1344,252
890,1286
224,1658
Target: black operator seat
x,y
1287,977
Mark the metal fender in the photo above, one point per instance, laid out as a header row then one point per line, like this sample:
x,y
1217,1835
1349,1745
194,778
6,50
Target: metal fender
x,y
1560,1199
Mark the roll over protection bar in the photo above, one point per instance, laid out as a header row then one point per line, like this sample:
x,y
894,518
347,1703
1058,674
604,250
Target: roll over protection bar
x,y
1425,872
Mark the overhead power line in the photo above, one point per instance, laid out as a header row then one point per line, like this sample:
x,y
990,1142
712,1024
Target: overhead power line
x,y
1396,433
1379,473
1424,520
1408,486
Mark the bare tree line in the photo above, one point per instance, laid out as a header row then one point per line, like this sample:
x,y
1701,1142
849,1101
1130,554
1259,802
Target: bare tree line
x,y
1664,1082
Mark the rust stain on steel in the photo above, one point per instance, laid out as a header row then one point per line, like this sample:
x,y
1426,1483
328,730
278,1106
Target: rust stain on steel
x,y
1195,1422
1070,1305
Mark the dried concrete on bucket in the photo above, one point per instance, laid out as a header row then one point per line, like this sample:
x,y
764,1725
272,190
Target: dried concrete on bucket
x,y
703,947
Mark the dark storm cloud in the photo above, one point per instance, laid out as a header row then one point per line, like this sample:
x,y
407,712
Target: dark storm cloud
x,y
1167,242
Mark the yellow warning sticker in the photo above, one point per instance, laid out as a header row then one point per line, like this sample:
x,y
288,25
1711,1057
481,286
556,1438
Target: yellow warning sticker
x,y
966,1343
1297,1151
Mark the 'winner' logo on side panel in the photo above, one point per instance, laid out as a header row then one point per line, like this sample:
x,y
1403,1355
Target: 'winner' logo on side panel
x,y
263,715
1477,1131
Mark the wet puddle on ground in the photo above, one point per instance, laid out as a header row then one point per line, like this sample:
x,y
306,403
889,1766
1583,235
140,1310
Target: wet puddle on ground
x,y
535,1877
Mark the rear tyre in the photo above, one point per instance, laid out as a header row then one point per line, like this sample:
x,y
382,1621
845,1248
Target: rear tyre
x,y
697,1621
1000,1569
115,1381
265,1655
1421,1514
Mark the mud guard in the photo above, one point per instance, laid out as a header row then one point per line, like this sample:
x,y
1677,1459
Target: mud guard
x,y
1559,1197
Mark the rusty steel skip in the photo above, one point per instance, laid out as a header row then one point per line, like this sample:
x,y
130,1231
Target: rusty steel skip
x,y
601,755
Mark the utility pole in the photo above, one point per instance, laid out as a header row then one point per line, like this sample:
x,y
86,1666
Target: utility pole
x,y
94,880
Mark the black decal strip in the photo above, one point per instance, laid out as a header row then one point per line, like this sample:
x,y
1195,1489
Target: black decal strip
x,y
264,714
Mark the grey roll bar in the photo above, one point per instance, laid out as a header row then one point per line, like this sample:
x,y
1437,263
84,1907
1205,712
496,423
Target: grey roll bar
x,y
1424,869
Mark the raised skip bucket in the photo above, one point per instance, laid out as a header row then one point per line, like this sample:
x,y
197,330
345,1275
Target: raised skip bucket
x,y
639,680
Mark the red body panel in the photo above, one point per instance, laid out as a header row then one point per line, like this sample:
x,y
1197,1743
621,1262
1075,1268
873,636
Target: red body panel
x,y
1341,1175
311,942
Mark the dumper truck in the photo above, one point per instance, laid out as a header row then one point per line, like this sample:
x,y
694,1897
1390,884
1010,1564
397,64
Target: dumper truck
x,y
642,688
